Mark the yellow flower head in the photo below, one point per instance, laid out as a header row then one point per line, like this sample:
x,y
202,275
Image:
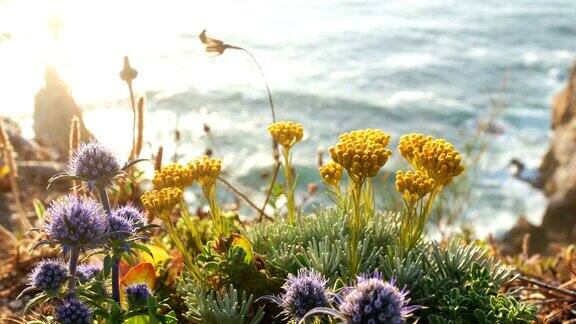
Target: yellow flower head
x,y
362,152
206,170
411,146
286,133
331,173
441,161
173,175
157,202
413,185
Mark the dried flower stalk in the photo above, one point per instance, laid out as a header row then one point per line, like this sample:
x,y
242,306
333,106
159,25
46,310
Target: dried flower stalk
x,y
10,162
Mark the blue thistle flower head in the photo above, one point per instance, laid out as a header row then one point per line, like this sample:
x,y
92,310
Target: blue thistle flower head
x,y
87,272
49,275
303,292
74,221
73,311
137,295
373,300
93,162
120,228
132,214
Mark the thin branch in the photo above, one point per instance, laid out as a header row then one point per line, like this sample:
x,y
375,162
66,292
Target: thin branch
x,y
237,192
269,193
548,286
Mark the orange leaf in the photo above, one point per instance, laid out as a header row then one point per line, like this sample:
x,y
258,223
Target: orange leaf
x,y
142,273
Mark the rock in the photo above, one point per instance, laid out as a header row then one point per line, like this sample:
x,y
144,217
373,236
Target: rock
x,y
558,168
54,108
512,241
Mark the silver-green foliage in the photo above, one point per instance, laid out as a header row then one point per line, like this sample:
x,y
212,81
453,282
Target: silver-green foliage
x,y
320,242
222,307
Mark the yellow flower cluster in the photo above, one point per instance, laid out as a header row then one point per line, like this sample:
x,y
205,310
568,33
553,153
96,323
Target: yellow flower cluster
x,y
286,133
413,185
331,173
410,147
362,152
441,161
164,200
438,158
173,175
206,170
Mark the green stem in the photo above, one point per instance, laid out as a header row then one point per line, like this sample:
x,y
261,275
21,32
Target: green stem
x,y
220,227
104,200
191,226
290,202
72,265
354,224
180,246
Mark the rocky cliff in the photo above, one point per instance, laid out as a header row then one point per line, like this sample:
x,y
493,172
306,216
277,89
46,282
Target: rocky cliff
x,y
557,179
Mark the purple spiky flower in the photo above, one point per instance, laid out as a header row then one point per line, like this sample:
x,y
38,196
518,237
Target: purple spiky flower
x,y
373,300
303,292
86,272
49,275
93,162
120,228
73,311
137,295
76,222
132,214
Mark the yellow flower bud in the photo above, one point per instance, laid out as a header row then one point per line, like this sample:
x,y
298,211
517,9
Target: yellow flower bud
x,y
413,185
362,152
410,147
331,173
286,133
161,201
441,161
173,175
206,170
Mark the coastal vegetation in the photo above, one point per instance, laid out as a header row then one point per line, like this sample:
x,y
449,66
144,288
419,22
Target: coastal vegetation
x,y
117,245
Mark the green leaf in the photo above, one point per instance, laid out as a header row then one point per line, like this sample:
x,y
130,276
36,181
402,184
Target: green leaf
x,y
152,309
39,208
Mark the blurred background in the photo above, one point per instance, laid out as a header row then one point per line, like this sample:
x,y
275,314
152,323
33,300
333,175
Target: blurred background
x,y
447,68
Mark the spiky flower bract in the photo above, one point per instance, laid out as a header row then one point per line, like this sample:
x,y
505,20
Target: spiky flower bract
x,y
373,300
93,162
73,311
131,214
120,228
49,275
137,295
286,133
76,222
304,292
87,272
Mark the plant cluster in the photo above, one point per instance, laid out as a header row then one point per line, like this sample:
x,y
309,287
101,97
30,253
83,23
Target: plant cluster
x,y
83,228
349,262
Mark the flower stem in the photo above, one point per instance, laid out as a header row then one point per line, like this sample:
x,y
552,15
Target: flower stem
x,y
191,226
180,246
289,186
354,225
220,227
104,200
116,278
115,256
72,265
